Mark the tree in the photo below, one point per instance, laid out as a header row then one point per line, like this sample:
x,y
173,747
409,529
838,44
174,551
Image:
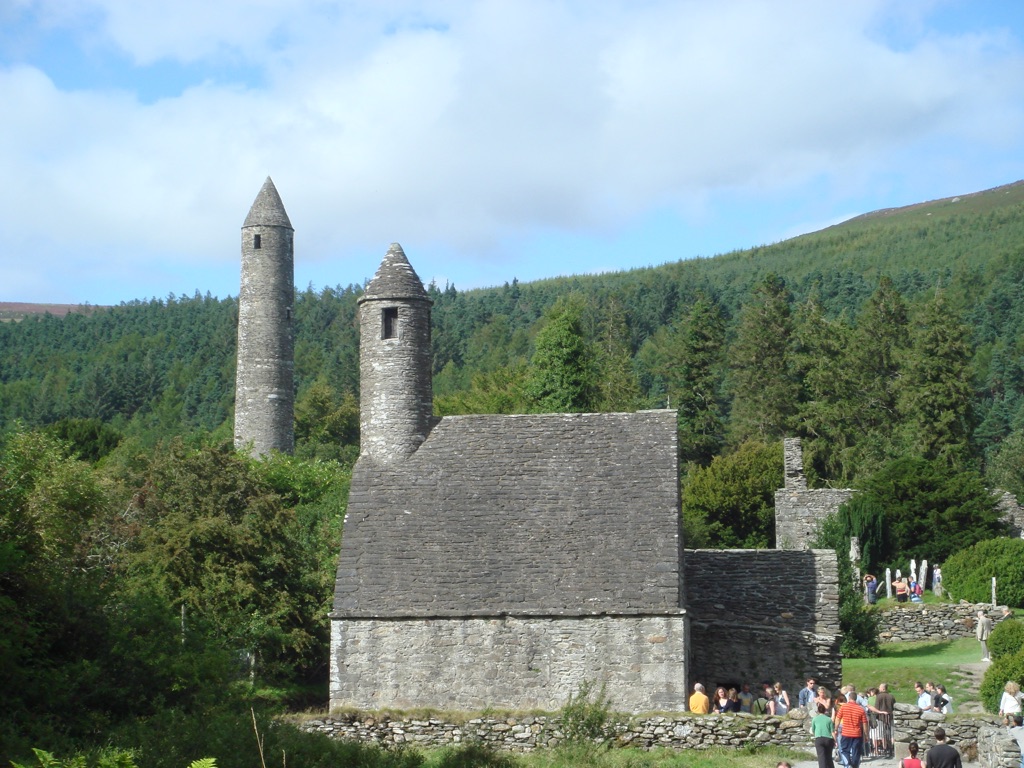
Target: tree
x,y
617,387
562,370
326,426
691,366
731,502
857,623
765,390
935,398
929,510
215,539
829,401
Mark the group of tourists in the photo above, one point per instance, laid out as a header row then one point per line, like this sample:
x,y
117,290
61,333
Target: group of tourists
x,y
852,725
933,698
770,699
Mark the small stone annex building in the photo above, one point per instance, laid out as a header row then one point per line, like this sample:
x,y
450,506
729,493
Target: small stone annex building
x,y
499,561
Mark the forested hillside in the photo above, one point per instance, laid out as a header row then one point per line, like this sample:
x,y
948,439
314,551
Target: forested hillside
x,y
756,343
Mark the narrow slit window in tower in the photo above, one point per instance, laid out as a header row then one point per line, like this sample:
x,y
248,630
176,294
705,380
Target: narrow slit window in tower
x,y
257,242
389,325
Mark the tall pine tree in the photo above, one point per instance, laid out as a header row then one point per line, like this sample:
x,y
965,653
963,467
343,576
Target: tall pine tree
x,y
935,397
764,385
562,369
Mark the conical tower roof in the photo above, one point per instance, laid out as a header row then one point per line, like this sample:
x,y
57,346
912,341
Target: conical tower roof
x,y
395,278
268,210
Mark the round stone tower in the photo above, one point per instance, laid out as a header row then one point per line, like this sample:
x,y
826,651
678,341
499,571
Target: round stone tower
x,y
264,388
396,390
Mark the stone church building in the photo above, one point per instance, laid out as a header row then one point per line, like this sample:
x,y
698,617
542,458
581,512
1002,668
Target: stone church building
x,y
499,561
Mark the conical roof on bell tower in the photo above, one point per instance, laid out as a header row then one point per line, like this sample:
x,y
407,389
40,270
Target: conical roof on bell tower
x,y
395,279
268,210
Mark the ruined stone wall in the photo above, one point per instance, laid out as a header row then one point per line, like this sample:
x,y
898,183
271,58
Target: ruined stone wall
x,y
763,615
910,622
799,512
1011,511
799,509
522,663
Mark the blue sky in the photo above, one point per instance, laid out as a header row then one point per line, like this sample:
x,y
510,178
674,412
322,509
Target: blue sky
x,y
494,139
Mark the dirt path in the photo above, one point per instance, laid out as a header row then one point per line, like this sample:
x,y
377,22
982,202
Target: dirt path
x,y
970,676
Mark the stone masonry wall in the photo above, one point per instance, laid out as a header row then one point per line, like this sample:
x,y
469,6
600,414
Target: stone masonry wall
x,y
932,621
799,509
977,737
528,662
763,615
996,749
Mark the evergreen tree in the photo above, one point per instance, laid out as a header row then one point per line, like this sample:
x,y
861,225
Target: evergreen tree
x,y
913,507
936,396
617,386
562,370
829,401
877,353
765,389
696,381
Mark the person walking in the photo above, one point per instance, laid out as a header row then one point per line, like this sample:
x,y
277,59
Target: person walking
x,y
824,737
853,730
942,755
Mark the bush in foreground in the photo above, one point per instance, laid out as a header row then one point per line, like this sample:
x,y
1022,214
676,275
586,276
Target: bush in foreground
x,y
1006,639
1000,671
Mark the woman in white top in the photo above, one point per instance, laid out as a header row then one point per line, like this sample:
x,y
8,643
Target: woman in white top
x,y
781,700
1009,704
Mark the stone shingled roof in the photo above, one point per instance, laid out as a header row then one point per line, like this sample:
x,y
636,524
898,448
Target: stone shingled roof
x,y
395,278
267,209
553,514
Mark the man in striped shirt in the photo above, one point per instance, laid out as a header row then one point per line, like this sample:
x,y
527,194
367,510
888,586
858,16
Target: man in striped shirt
x,y
853,729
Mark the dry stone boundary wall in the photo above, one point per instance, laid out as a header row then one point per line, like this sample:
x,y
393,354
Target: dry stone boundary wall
x,y
977,737
912,622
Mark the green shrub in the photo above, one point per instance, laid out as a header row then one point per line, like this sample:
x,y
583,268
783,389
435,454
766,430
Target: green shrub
x,y
1007,638
999,672
967,575
586,716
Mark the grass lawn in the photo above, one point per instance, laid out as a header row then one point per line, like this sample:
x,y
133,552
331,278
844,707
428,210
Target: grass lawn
x,y
616,758
901,664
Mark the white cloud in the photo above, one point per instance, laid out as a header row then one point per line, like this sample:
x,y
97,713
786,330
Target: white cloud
x,y
464,125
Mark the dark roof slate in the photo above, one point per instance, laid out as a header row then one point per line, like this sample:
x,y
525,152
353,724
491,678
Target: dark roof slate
x,y
553,514
267,209
395,278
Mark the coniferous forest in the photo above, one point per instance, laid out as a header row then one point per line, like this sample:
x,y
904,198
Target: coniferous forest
x,y
150,575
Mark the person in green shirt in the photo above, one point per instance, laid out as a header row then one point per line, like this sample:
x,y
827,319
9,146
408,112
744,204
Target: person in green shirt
x,y
822,730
